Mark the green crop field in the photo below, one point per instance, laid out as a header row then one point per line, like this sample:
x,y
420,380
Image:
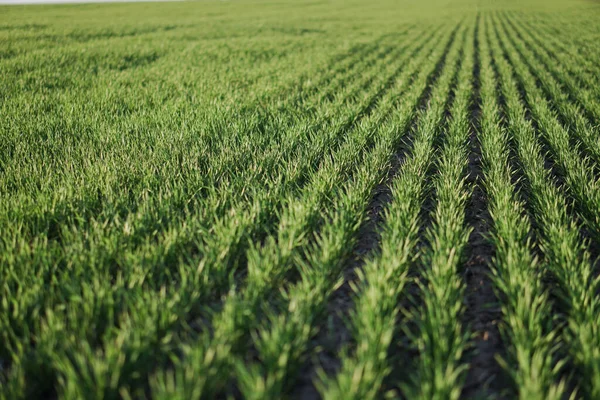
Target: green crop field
x,y
271,199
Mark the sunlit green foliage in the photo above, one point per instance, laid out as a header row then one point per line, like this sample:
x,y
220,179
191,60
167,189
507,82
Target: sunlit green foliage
x,y
184,188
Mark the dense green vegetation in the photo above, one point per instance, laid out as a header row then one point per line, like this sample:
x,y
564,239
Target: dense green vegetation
x,y
276,199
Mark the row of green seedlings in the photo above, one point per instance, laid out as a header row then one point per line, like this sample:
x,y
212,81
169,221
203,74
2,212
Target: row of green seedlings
x,y
439,337
526,327
168,311
247,159
305,87
36,297
208,209
565,251
308,258
579,33
318,305
128,225
579,66
302,166
319,133
575,28
384,277
552,77
569,73
366,84
163,276
253,216
578,62
173,301
578,171
133,226
252,160
305,98
230,154
277,251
